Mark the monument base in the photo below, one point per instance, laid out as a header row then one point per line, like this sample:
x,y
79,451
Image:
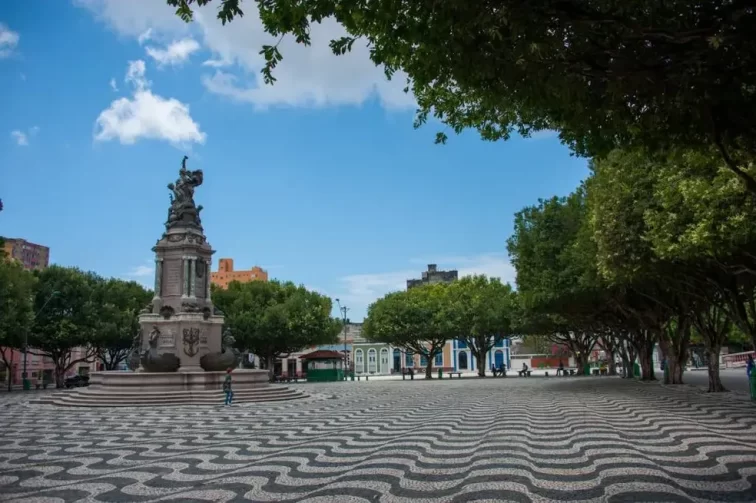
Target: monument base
x,y
143,389
174,381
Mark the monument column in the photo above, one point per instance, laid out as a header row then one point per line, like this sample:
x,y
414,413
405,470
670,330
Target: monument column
x,y
158,277
192,277
185,283
208,263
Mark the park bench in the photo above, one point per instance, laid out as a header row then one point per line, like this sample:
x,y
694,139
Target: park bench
x,y
459,374
408,372
499,372
524,373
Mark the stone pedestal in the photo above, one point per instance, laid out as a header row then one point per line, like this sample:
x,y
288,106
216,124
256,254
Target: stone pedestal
x,y
181,321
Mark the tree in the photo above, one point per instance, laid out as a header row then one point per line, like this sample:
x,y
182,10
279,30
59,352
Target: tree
x,y
606,75
419,320
562,296
16,287
66,317
273,319
118,319
483,312
678,232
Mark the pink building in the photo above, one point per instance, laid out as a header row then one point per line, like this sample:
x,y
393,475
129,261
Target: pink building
x,y
41,367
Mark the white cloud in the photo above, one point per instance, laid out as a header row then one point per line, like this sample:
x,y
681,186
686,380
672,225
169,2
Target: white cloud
x,y
146,115
8,41
358,291
141,271
216,63
176,53
144,37
20,138
307,76
113,85
143,274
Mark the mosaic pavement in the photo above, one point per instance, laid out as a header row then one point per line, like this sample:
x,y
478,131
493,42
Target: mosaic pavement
x,y
581,439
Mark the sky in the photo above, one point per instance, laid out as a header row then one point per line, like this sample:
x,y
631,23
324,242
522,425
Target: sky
x,y
320,179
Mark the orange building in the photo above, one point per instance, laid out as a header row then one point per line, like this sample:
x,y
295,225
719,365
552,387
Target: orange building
x,y
226,274
31,256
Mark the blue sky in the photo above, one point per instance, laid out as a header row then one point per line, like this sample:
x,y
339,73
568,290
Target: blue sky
x,y
321,179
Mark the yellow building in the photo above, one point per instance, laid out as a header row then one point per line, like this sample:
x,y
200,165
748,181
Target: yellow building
x,y
226,274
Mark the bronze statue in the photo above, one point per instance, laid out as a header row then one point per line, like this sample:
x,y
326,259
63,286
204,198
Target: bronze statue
x,y
229,357
183,211
152,361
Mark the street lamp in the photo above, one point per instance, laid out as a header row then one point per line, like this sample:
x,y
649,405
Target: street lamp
x,y
24,376
343,310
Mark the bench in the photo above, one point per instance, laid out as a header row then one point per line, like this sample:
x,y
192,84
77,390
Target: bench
x,y
408,372
499,372
459,374
524,373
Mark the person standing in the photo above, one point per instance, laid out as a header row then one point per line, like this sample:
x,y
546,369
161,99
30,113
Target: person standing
x,y
750,366
227,387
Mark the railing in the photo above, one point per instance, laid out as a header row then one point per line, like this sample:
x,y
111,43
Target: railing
x,y
737,359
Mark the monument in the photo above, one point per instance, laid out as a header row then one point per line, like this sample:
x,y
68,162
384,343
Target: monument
x,y
180,328
182,352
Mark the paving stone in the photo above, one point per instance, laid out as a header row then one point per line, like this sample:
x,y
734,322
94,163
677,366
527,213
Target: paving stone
x,y
525,440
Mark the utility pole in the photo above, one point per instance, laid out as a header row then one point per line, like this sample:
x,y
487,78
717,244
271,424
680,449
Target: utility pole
x,y
24,375
343,310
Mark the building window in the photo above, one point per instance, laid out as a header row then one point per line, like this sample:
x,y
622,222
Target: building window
x,y
423,360
359,363
384,359
461,344
439,359
409,361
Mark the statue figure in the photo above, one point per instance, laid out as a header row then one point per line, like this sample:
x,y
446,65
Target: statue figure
x,y
135,353
182,210
229,357
154,362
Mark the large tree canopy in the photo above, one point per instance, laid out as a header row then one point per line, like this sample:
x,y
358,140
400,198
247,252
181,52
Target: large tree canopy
x,y
680,232
16,289
603,73
272,319
484,312
419,320
67,316
119,303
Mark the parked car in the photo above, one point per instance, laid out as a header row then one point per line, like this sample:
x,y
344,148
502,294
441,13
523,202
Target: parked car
x,y
77,381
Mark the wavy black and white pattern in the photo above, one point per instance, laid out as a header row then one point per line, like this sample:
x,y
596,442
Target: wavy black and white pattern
x,y
522,440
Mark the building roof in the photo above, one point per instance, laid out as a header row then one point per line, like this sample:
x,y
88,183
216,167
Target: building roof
x,y
322,354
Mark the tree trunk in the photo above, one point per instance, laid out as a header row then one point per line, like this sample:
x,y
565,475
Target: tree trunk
x,y
429,368
582,360
611,366
60,374
715,384
480,361
9,370
646,360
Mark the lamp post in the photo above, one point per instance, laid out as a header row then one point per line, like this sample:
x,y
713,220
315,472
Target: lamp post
x,y
24,375
343,310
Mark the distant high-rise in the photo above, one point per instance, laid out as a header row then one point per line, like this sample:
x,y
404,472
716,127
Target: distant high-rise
x,y
433,275
32,256
226,274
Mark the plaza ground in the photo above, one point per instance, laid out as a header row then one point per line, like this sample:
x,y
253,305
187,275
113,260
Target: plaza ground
x,y
573,439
